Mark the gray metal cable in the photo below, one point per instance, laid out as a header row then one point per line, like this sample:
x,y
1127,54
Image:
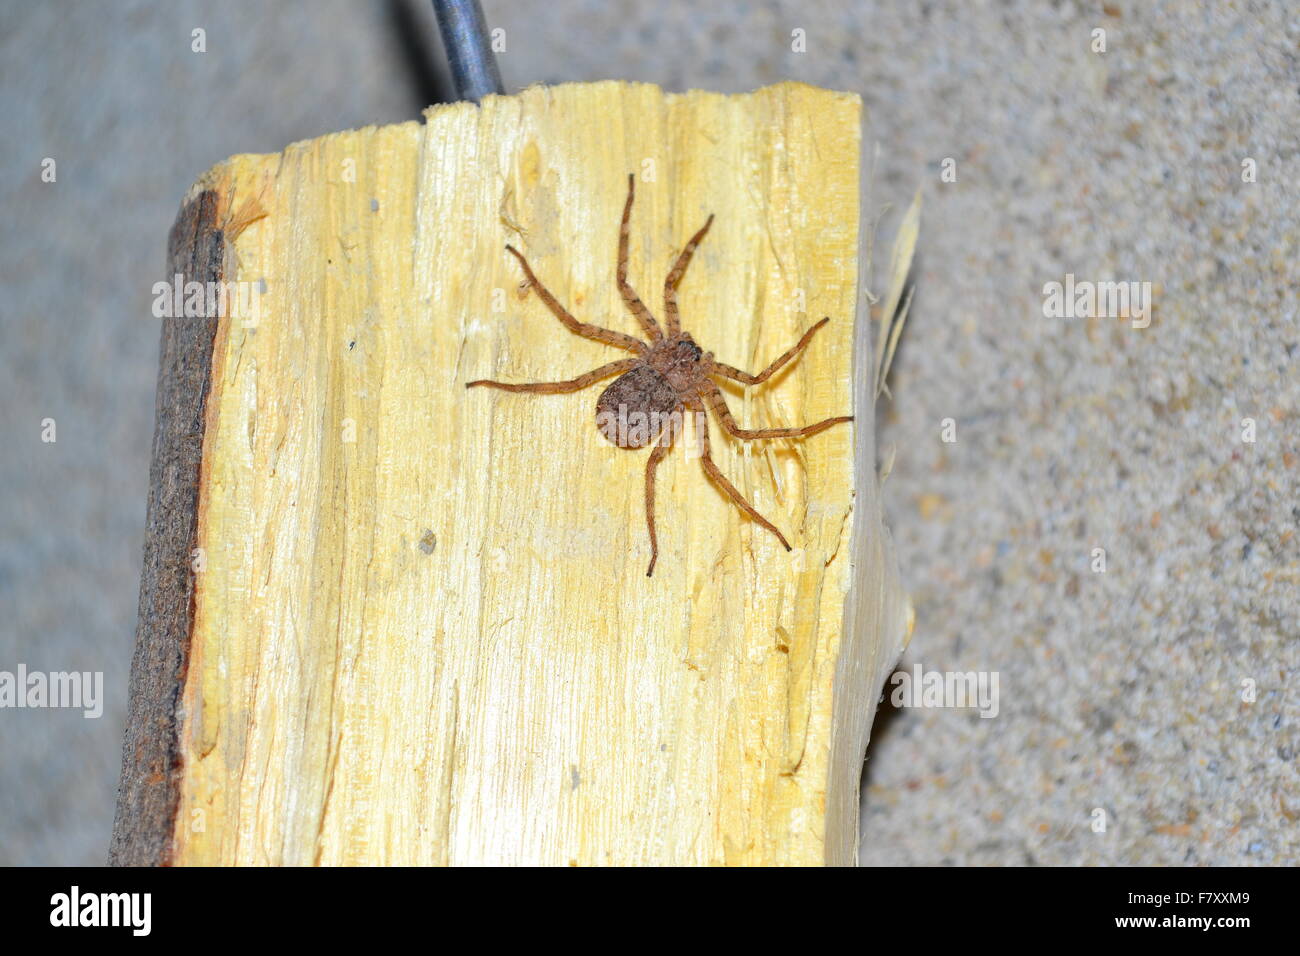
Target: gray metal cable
x,y
469,50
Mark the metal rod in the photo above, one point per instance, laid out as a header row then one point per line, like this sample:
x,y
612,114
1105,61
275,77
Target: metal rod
x,y
469,50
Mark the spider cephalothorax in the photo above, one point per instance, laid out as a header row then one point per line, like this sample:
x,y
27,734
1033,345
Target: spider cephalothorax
x,y
668,377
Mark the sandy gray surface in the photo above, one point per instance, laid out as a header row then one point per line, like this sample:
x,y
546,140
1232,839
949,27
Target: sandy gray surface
x,y
1120,690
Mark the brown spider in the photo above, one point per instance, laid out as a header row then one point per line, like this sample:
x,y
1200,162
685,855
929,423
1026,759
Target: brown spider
x,y
669,374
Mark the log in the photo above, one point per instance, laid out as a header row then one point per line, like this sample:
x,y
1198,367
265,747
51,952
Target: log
x,y
385,619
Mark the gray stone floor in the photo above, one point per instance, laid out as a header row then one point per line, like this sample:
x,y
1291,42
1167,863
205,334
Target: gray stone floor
x,y
1120,691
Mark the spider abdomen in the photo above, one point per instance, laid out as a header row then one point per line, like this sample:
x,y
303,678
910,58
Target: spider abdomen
x,y
636,407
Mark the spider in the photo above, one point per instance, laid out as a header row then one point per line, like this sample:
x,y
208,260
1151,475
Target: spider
x,y
668,374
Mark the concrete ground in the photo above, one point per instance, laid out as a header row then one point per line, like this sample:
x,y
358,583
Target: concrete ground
x,y
1155,691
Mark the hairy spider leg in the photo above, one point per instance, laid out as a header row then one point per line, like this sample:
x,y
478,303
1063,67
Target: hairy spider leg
x,y
737,375
572,385
675,278
656,456
608,336
634,303
719,406
706,460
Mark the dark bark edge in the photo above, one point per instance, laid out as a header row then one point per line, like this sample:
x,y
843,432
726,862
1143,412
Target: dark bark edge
x,y
148,793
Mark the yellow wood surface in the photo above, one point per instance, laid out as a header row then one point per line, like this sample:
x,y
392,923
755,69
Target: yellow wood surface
x,y
424,633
